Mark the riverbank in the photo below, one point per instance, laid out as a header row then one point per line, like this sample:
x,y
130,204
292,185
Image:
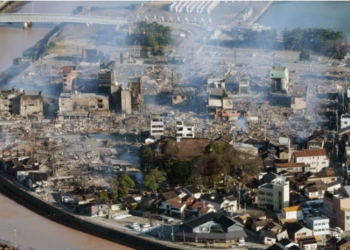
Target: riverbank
x,y
10,6
259,11
58,214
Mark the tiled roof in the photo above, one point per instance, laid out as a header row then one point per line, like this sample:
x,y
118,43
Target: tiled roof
x,y
292,209
311,152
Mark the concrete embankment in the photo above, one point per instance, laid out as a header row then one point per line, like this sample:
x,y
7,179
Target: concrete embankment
x,y
260,12
59,215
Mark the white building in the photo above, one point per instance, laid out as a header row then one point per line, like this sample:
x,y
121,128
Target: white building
x,y
315,158
183,131
344,121
320,225
157,126
295,213
274,194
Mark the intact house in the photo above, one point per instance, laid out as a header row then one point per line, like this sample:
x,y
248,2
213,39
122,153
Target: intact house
x,y
296,231
308,243
317,159
268,237
315,192
327,176
274,195
70,75
184,95
219,202
98,208
82,105
212,229
319,225
286,243
316,141
298,100
280,79
337,207
172,204
295,213
192,191
291,167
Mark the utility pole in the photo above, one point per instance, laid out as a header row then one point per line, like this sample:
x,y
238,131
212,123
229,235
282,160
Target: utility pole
x,y
15,231
273,59
172,231
234,55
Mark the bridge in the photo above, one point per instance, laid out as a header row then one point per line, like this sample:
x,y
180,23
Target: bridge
x,y
28,18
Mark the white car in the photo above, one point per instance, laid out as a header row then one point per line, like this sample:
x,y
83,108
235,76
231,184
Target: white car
x,y
339,230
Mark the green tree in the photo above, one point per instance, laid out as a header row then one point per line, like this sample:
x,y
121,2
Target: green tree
x,y
114,185
179,172
144,52
103,195
153,178
304,55
124,183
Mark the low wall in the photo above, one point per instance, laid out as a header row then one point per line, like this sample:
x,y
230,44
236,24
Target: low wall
x,y
61,216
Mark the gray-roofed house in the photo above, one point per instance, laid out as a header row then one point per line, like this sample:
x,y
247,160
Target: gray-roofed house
x,y
297,231
286,243
184,95
268,237
220,202
192,191
212,229
308,243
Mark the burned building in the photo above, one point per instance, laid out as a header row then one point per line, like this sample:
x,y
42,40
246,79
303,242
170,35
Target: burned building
x,y
9,101
244,84
105,80
106,76
32,104
216,83
89,55
70,75
21,102
184,95
280,79
126,95
82,105
298,97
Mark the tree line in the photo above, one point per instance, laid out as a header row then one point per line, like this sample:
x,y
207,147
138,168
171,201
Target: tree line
x,y
321,40
153,35
220,167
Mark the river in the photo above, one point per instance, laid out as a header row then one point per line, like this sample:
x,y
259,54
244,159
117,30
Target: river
x,y
14,40
293,14
40,233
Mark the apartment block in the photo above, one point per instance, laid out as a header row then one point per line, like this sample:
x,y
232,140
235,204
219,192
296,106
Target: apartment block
x,y
183,131
157,126
70,75
317,159
320,225
337,207
274,195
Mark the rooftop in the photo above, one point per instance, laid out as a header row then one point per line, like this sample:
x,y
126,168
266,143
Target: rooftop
x,y
68,69
292,209
311,152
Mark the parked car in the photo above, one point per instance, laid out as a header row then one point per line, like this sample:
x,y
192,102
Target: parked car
x,y
169,220
145,225
339,230
158,217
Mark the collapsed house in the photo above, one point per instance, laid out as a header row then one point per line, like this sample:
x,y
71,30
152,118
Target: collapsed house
x,y
25,103
82,105
126,95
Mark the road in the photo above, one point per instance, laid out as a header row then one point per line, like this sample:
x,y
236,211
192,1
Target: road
x,y
40,233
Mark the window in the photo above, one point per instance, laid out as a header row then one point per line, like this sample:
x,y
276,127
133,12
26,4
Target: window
x,y
92,107
348,217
